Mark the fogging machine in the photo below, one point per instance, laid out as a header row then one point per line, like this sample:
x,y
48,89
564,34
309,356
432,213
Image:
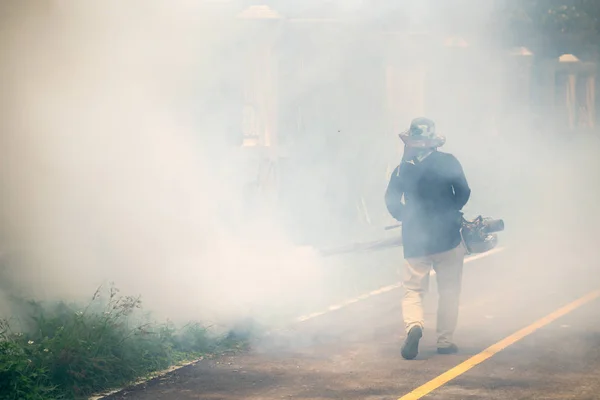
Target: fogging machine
x,y
478,236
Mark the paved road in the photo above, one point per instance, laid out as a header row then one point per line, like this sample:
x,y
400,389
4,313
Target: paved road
x,y
354,353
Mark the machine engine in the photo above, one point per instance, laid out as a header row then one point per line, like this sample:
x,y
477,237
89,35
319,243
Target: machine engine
x,y
479,235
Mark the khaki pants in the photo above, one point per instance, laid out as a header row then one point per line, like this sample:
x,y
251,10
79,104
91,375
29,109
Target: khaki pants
x,y
448,267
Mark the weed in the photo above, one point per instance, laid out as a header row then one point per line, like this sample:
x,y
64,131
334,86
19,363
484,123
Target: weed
x,y
61,351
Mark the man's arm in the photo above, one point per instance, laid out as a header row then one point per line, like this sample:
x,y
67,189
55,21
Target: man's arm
x,y
462,191
393,195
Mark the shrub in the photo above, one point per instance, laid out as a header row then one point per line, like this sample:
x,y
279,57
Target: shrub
x,y
62,351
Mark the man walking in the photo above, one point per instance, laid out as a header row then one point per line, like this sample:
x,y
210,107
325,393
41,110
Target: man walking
x,y
427,192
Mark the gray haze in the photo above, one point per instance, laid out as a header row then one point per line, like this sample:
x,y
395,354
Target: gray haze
x,y
120,158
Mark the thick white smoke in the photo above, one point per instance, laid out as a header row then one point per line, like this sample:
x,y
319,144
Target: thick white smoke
x,y
108,169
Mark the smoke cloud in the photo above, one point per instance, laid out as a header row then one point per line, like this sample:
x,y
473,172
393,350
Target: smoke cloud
x,y
120,158
109,165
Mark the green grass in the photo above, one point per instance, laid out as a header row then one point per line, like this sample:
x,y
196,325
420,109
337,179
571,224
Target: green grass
x,y
62,351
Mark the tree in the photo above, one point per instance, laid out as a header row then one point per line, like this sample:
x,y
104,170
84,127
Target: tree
x,y
554,27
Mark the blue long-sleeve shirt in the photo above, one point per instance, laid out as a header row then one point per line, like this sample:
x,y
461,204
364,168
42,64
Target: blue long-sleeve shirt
x,y
435,190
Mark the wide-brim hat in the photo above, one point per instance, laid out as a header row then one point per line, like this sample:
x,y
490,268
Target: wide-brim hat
x,y
422,134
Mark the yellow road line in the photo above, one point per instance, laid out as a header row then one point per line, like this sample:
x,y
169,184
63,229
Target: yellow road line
x,y
501,345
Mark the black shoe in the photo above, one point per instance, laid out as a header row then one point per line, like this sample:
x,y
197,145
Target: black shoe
x,y
452,349
410,348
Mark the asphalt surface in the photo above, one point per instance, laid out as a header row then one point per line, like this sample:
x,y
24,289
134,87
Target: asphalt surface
x,y
354,352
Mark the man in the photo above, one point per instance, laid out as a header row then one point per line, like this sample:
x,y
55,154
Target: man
x,y
435,190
